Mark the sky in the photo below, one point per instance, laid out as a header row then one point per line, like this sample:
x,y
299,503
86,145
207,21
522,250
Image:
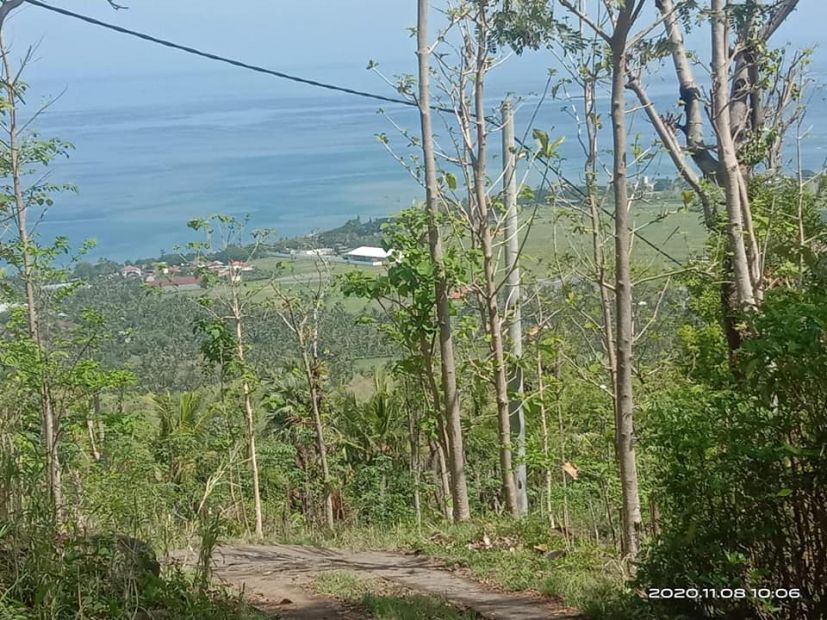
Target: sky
x,y
324,39
329,35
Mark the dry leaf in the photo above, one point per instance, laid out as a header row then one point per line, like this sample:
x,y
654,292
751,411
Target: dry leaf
x,y
571,470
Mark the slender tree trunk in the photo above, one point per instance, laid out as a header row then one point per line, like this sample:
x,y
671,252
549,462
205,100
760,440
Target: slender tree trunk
x,y
310,368
561,427
541,389
513,309
690,92
95,427
49,421
729,169
624,327
459,487
492,311
91,428
442,441
415,457
675,152
249,417
442,483
429,380
598,252
445,481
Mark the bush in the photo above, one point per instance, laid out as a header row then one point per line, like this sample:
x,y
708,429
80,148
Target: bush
x,y
742,473
381,493
101,577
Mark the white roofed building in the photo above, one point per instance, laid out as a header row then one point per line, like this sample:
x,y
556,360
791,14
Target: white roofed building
x,y
368,255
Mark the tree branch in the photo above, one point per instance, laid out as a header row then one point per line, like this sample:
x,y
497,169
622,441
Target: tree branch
x,y
7,7
586,20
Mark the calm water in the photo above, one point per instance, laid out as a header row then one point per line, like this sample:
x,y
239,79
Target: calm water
x,y
151,153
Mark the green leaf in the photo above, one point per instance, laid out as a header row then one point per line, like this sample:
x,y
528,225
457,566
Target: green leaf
x,y
451,181
541,137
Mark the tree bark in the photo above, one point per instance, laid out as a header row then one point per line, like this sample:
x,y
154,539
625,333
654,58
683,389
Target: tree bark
x,y
513,307
675,152
729,171
746,108
311,369
248,415
690,93
459,488
7,7
491,306
415,458
624,326
598,253
541,391
442,441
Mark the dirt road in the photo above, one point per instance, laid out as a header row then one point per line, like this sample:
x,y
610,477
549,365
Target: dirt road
x,y
276,580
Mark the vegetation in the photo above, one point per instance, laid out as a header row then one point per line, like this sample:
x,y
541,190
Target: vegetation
x,y
601,389
381,601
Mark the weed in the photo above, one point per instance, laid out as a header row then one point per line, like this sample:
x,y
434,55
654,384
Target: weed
x,y
386,601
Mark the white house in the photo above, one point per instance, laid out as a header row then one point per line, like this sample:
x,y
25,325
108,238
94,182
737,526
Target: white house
x,y
368,255
131,271
318,252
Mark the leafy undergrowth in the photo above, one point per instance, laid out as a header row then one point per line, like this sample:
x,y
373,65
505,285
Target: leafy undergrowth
x,y
173,597
104,577
513,556
385,601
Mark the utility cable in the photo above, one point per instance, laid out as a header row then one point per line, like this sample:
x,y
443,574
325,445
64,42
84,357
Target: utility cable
x,y
280,74
216,57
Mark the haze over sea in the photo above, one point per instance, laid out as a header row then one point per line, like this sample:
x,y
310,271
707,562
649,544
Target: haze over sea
x,y
154,149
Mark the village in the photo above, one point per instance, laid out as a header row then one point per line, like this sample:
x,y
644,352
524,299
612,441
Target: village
x,y
189,275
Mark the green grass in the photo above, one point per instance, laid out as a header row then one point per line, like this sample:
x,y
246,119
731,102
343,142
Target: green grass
x,y
554,240
385,601
679,234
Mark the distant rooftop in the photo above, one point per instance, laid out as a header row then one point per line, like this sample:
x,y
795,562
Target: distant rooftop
x,y
367,251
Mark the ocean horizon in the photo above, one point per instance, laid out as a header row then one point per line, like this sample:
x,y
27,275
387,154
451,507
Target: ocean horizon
x,y
152,152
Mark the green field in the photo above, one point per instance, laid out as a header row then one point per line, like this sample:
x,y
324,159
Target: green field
x,y
553,239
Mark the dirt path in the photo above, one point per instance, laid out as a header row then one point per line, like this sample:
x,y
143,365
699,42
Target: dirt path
x,y
276,577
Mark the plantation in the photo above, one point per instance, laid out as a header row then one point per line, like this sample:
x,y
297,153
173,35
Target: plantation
x,y
587,395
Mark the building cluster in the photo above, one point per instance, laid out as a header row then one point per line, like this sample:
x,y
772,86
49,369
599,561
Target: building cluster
x,y
189,276
185,277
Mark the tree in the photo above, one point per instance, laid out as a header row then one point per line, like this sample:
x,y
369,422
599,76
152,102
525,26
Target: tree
x,y
624,394
21,155
300,310
617,36
729,172
7,7
489,288
406,295
747,118
459,490
513,305
463,79
232,308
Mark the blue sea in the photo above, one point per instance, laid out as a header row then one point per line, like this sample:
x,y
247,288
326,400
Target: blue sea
x,y
152,152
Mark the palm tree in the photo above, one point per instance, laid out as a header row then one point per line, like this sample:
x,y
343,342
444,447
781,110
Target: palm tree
x,y
375,427
182,430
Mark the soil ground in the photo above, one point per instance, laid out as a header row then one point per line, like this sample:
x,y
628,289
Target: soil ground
x,y
277,580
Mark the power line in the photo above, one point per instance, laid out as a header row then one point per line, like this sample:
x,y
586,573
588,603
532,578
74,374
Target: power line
x,y
280,74
216,57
